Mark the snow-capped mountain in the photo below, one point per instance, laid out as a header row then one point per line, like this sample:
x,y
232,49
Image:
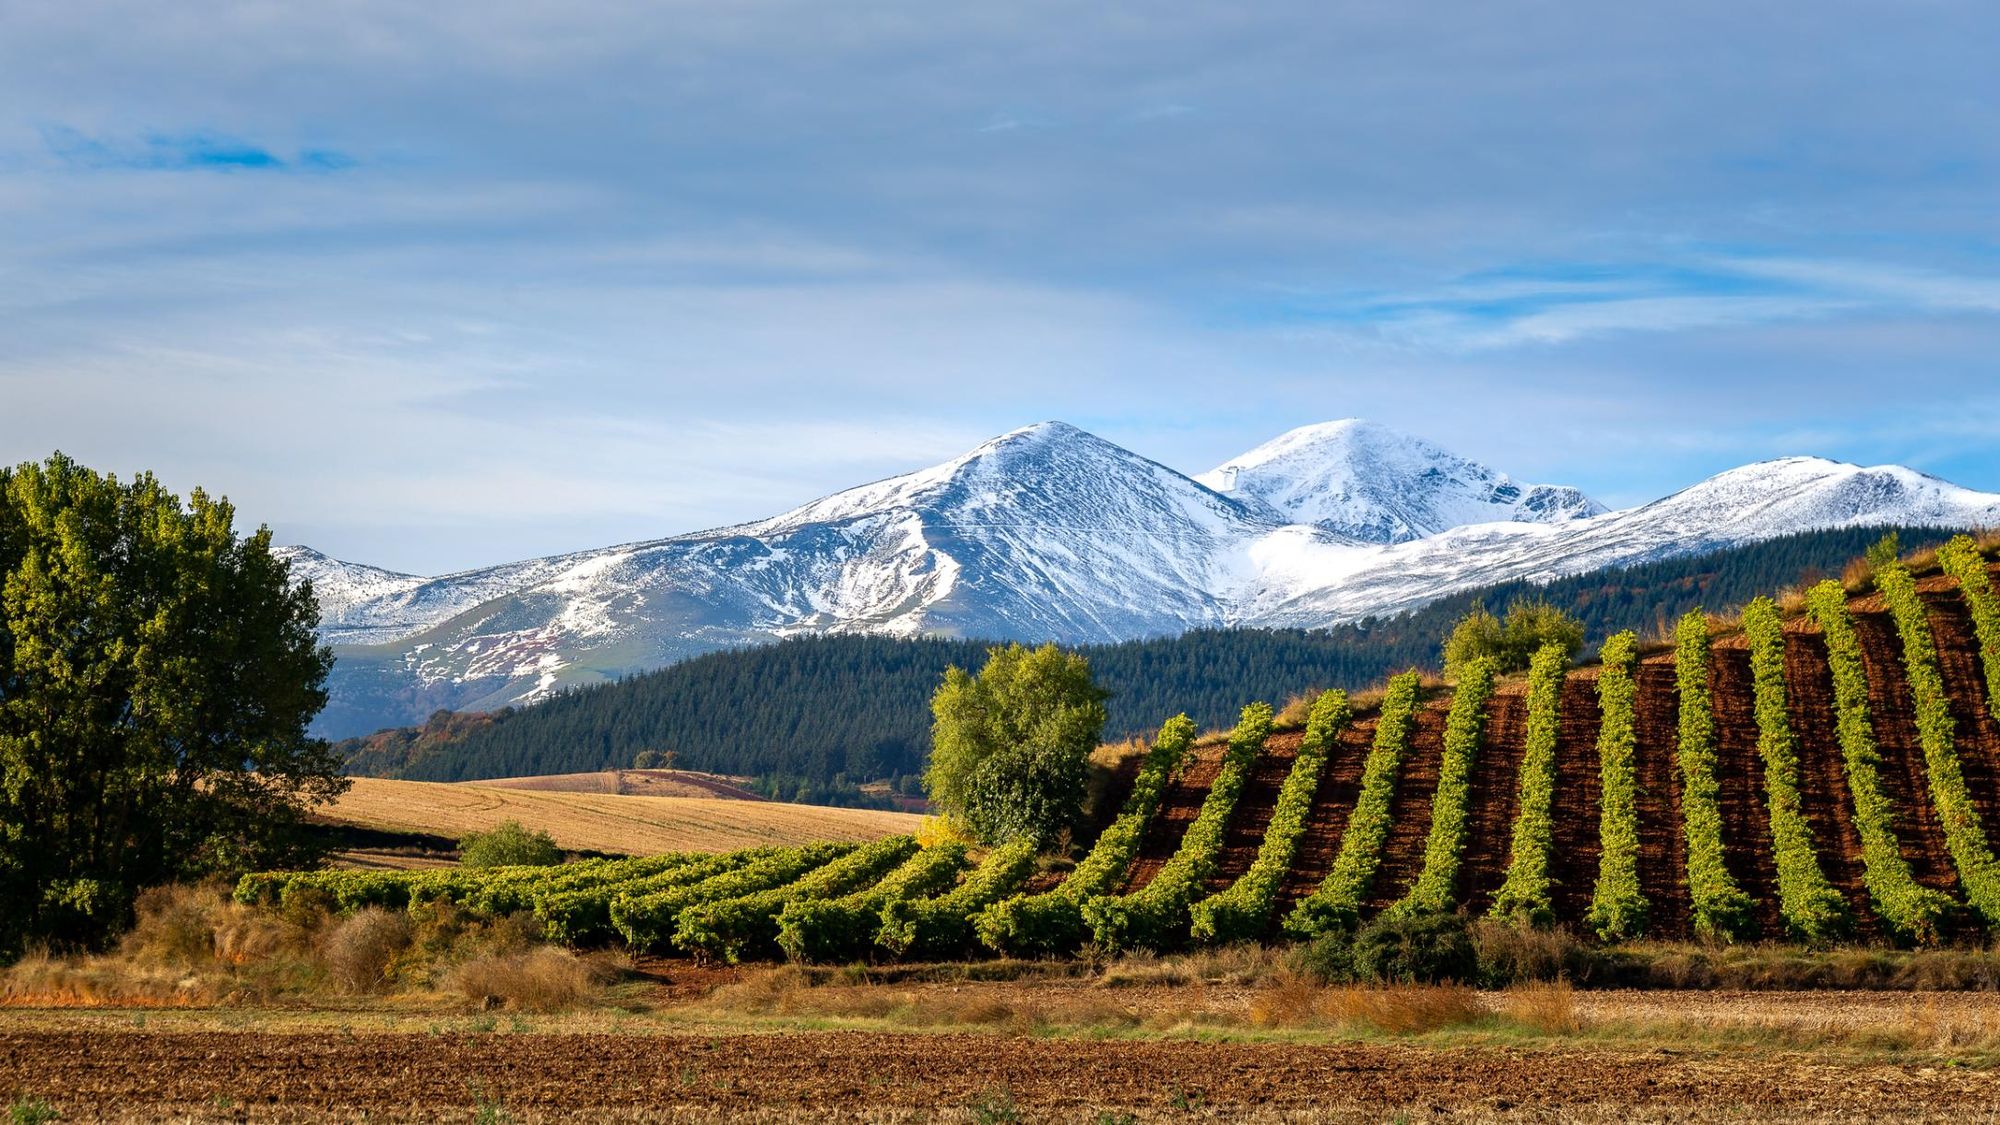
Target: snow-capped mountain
x,y
1051,533
1371,484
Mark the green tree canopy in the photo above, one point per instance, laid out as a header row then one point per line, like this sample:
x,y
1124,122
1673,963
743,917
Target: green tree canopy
x,y
1010,747
1513,641
509,844
156,677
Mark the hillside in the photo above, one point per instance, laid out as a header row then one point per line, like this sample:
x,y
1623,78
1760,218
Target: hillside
x,y
1050,533
603,822
856,707
1908,777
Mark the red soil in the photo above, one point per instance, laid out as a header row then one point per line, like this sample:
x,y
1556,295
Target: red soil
x,y
1496,796
1333,803
1746,822
1577,811
1255,807
1829,806
1403,852
1178,809
1662,837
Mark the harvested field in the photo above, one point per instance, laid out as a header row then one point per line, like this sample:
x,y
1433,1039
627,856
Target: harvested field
x,y
604,822
632,783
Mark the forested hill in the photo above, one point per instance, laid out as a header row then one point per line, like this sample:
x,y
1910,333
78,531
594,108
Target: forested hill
x,y
826,712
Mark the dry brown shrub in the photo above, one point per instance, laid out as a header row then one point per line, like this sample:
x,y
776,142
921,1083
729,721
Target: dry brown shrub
x,y
1402,1009
1510,953
1245,963
546,979
1857,576
1296,711
359,950
1791,601
175,925
1549,1008
39,980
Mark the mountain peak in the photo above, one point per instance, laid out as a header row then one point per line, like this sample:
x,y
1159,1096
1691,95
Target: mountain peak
x,y
1369,482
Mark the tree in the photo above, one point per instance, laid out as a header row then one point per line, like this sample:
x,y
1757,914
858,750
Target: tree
x,y
156,677
509,844
1510,643
1010,746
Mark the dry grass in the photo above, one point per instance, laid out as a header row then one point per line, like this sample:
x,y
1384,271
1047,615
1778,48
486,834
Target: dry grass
x,y
604,822
544,979
360,950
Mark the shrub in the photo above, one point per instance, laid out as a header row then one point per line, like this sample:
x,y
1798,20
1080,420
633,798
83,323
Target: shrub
x,y
1524,896
509,845
1051,923
1617,906
1243,911
1530,626
1328,958
358,950
1721,909
1812,908
1436,888
1416,948
842,929
1965,836
747,926
1336,904
1962,559
544,979
1912,911
1156,914
647,920
931,929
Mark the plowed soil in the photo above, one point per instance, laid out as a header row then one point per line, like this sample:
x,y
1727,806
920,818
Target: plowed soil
x,y
1333,803
1254,808
1662,837
1403,852
1904,779
1829,807
1177,810
222,1076
1746,822
1964,681
1496,796
1573,864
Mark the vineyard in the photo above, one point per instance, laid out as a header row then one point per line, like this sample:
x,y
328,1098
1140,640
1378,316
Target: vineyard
x,y
1823,771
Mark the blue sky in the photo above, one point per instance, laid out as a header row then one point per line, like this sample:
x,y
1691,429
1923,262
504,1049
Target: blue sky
x,y
443,284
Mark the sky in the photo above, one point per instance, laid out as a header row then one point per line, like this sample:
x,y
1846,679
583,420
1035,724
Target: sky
x,y
437,285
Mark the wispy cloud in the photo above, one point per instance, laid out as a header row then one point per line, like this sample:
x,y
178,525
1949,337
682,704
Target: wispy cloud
x,y
189,151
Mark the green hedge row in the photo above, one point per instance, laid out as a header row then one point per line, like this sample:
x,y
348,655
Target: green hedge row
x,y
746,927
938,929
1436,889
842,929
1912,912
1618,905
1051,923
1156,915
1242,912
582,915
1336,904
647,921
1964,835
1962,559
1812,908
1721,908
1524,895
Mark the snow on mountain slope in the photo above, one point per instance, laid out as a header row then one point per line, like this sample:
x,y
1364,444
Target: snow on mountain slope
x,y
1372,484
1050,533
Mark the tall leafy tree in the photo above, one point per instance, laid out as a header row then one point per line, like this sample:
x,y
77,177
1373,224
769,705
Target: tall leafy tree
x,y
1010,746
157,673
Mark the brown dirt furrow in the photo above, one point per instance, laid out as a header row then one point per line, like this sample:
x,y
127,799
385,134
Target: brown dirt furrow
x,y
1573,864
1403,852
1177,810
1254,806
1339,787
1662,835
1496,795
1829,808
1904,780
1978,738
1746,822
823,1075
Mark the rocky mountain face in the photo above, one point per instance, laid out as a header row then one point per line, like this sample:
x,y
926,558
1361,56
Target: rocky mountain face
x,y
1051,533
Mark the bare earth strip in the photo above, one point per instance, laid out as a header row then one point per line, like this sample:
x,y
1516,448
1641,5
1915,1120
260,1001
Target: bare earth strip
x,y
604,822
887,1076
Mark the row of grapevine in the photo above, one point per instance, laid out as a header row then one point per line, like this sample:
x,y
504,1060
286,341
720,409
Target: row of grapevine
x,y
734,929
1962,559
1336,904
1524,896
1965,837
1242,911
1721,909
485,892
1051,923
936,929
582,915
1618,905
648,921
1451,809
1912,911
1157,915
1812,908
842,929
